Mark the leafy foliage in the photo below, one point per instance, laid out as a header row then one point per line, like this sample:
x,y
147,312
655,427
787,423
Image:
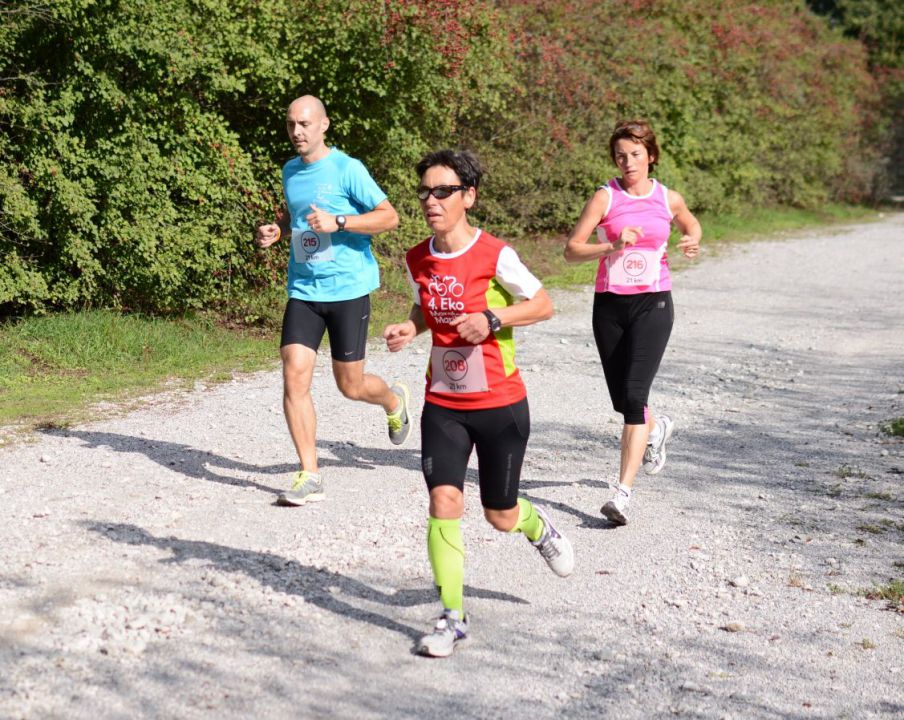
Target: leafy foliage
x,y
141,140
879,25
754,103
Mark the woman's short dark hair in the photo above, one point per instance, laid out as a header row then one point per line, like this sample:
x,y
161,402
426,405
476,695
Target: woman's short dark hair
x,y
639,131
463,162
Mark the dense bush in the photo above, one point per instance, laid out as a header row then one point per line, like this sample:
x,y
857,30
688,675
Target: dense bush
x,y
754,103
879,25
140,140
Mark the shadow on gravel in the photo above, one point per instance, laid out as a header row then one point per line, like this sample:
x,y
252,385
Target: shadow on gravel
x,y
592,522
317,586
349,454
815,407
202,464
178,457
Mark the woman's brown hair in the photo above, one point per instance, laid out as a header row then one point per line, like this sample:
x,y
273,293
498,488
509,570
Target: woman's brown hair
x,y
639,131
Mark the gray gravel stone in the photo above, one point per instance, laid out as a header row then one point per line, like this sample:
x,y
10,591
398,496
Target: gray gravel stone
x,y
159,579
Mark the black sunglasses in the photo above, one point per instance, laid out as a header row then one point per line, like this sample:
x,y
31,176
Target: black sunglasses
x,y
440,192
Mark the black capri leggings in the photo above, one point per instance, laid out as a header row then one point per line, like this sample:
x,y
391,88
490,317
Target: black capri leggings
x,y
631,333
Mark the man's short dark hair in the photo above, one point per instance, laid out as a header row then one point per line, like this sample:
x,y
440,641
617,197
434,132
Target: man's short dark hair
x,y
463,162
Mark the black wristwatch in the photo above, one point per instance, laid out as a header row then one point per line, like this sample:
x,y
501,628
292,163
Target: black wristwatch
x,y
340,221
495,322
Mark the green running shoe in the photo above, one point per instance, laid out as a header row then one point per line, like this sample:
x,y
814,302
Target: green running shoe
x,y
306,487
398,421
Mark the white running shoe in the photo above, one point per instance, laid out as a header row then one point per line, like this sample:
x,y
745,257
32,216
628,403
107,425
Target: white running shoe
x,y
554,547
451,628
615,509
654,455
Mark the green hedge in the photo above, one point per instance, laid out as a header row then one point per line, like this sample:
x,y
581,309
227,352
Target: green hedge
x,y
140,140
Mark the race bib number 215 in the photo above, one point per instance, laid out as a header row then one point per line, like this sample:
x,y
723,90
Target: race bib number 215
x,y
310,247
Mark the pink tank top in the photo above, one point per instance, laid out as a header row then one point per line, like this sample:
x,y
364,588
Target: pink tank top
x,y
643,267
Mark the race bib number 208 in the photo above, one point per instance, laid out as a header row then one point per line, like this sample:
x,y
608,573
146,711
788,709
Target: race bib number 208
x,y
458,370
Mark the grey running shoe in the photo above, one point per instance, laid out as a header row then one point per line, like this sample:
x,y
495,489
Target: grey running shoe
x,y
654,455
451,628
554,547
398,421
306,487
615,509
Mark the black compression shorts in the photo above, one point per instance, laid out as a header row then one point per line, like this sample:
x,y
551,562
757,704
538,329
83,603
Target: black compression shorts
x,y
346,322
500,436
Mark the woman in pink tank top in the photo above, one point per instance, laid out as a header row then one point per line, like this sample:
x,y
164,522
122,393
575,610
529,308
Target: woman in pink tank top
x,y
632,309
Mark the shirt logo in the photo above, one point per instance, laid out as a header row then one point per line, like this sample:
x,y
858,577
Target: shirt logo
x,y
444,305
448,285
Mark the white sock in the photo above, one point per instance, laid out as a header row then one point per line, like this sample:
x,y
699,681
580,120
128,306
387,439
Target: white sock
x,y
624,490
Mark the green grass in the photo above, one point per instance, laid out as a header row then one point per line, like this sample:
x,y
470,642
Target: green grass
x,y
53,368
757,223
892,591
894,427
845,471
869,528
879,496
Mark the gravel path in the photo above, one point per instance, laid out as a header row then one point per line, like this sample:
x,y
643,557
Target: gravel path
x,y
145,570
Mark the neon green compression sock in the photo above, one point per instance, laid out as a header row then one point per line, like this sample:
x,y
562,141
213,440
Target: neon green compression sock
x,y
447,558
529,522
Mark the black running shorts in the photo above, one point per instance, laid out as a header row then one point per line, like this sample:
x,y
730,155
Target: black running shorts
x,y
500,436
346,322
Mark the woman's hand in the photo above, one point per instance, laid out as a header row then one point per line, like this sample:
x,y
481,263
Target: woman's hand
x,y
578,248
473,327
689,245
628,236
691,232
399,335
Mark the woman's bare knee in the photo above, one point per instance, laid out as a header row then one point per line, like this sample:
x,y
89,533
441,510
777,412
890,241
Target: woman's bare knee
x,y
502,520
446,502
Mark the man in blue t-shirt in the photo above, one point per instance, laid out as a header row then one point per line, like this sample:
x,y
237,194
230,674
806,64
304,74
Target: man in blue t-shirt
x,y
334,206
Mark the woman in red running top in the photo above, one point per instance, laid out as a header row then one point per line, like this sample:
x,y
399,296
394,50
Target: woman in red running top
x,y
632,308
470,290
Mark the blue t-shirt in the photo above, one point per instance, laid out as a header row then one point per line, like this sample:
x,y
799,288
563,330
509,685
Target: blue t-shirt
x,y
327,267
